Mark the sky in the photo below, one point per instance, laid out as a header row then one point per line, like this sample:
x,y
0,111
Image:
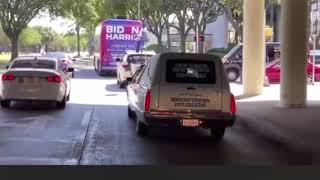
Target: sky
x,y
60,25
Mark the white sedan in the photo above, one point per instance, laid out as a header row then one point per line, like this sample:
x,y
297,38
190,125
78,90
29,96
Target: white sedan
x,y
35,79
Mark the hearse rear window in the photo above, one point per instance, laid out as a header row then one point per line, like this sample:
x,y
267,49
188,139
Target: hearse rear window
x,y
138,58
190,71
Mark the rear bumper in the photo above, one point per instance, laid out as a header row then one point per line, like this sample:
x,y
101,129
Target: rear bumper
x,y
24,95
206,122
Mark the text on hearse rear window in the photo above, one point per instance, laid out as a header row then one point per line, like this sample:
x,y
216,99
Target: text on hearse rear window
x,y
190,71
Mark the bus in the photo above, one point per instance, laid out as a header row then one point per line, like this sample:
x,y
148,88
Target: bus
x,y
113,38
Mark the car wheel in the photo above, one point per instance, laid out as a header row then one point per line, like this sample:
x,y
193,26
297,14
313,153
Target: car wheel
x,y
68,97
141,128
217,133
5,103
130,113
233,74
62,104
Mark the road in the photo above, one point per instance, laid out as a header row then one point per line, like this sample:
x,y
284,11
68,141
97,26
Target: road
x,y
94,130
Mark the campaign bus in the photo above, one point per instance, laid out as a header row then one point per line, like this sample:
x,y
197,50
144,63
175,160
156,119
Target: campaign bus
x,y
113,38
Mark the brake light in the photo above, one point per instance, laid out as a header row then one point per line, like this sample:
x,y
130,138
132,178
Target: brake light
x,y
125,66
57,79
232,104
8,77
147,101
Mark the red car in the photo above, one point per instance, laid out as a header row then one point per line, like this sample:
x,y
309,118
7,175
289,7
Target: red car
x,y
273,71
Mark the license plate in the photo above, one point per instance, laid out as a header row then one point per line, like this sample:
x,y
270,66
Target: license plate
x,y
190,122
29,81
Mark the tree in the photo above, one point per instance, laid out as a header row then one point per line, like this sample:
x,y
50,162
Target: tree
x,y
30,37
59,43
47,36
180,8
4,41
234,12
15,15
156,16
124,8
203,13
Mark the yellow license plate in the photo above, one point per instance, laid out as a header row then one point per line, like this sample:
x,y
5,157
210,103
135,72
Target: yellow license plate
x,y
190,122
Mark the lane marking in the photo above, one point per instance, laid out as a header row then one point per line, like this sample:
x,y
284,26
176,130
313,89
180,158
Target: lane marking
x,y
27,139
86,118
85,121
13,125
41,161
38,118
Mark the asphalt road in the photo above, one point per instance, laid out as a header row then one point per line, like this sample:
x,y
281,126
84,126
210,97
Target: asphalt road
x,y
94,129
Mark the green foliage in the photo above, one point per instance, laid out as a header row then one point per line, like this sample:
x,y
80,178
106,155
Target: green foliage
x,y
15,16
30,37
4,40
47,35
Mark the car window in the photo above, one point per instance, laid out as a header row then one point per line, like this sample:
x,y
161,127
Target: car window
x,y
138,78
42,64
190,71
137,74
56,55
273,52
61,67
22,64
45,64
138,58
237,55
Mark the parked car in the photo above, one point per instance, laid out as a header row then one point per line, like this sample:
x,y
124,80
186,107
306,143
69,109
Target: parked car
x,y
129,64
181,89
273,71
64,58
233,59
35,79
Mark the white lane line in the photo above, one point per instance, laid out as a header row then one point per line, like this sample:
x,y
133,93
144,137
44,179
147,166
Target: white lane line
x,y
26,139
84,123
86,118
35,160
13,125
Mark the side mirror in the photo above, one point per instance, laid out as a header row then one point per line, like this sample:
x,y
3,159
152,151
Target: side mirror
x,y
70,69
129,79
238,56
118,60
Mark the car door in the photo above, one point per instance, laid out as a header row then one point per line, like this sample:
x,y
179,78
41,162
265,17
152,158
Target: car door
x,y
65,76
273,72
133,87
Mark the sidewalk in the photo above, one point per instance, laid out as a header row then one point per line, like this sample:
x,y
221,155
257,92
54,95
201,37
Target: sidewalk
x,y
298,127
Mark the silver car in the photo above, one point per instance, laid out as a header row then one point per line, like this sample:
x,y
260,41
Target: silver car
x,y
35,79
180,89
129,65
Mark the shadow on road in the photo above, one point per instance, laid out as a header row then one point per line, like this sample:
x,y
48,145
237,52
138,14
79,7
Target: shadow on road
x,y
114,88
89,74
33,106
